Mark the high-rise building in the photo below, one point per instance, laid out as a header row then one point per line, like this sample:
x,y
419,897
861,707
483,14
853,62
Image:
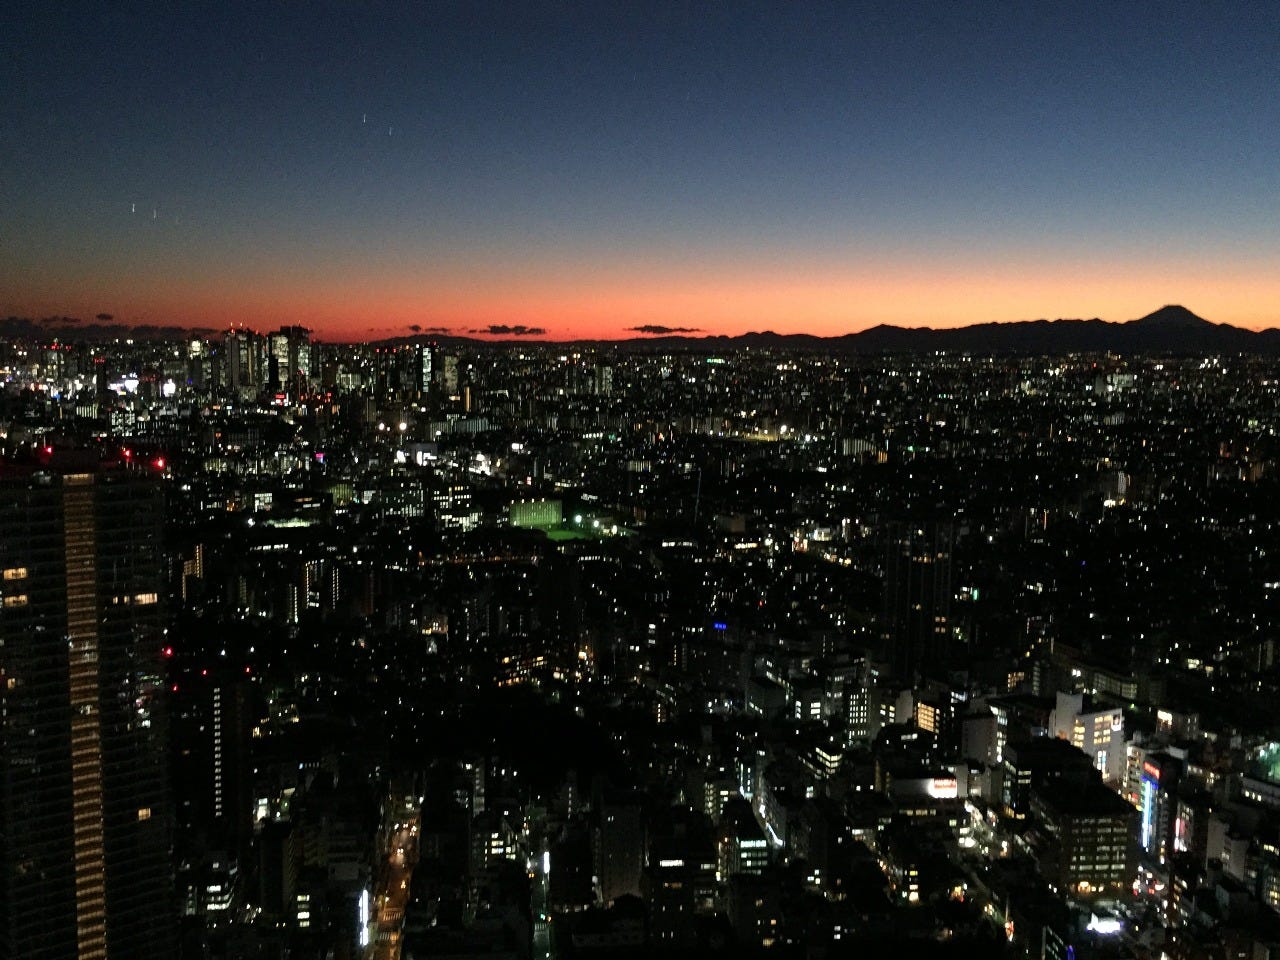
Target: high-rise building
x,y
603,380
101,377
84,825
618,848
916,628
289,359
244,362
447,375
421,368
229,735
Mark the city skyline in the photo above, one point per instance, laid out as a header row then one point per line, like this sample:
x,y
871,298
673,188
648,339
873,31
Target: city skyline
x,y
762,650
363,170
552,481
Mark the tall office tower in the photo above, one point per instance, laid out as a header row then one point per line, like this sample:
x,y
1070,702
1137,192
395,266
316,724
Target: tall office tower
x,y
244,362
197,363
618,848
447,375
604,380
405,371
277,362
103,392
299,355
84,825
422,369
916,626
289,356
229,752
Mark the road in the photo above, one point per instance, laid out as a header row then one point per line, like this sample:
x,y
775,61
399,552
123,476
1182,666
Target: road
x,y
540,870
391,892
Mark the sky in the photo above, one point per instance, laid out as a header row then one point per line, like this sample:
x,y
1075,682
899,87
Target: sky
x,y
587,168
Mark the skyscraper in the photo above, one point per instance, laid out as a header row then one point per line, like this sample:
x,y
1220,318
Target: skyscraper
x,y
244,362
422,372
916,626
289,359
84,826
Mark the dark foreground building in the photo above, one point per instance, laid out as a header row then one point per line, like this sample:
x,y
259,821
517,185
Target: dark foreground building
x,y
918,633
84,826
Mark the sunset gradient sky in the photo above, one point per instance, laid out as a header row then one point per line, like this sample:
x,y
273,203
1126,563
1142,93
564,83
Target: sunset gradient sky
x,y
586,168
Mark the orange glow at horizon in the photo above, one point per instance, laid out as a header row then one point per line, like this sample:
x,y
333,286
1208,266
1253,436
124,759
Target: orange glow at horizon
x,y
602,304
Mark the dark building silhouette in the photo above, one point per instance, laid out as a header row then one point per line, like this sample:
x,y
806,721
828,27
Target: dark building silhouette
x,y
211,770
916,626
618,848
84,825
102,391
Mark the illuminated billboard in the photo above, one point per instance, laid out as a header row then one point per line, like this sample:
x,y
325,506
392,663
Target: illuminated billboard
x,y
1150,788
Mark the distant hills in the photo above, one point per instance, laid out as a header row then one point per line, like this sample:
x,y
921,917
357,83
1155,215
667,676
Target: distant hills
x,y
1172,329
103,327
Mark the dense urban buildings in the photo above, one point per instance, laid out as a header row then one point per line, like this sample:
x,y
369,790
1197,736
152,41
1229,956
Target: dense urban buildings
x,y
436,647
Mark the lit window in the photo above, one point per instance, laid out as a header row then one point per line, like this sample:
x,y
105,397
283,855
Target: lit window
x,y
144,813
15,573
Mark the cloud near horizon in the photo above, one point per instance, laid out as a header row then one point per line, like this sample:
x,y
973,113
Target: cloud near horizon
x,y
660,329
505,330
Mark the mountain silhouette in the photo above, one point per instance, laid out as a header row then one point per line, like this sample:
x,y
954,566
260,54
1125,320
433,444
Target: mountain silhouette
x,y
1173,330
1172,317
1170,330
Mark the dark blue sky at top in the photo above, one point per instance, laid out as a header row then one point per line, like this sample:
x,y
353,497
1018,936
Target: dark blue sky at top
x,y
320,133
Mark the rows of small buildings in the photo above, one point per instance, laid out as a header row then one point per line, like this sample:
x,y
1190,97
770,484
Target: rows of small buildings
x,y
951,647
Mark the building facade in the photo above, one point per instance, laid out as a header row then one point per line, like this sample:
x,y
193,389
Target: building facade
x,y
84,825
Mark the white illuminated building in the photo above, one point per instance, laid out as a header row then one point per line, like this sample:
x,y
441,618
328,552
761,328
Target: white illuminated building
x,y
1096,730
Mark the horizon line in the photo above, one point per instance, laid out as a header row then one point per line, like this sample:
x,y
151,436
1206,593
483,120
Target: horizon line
x,y
64,325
